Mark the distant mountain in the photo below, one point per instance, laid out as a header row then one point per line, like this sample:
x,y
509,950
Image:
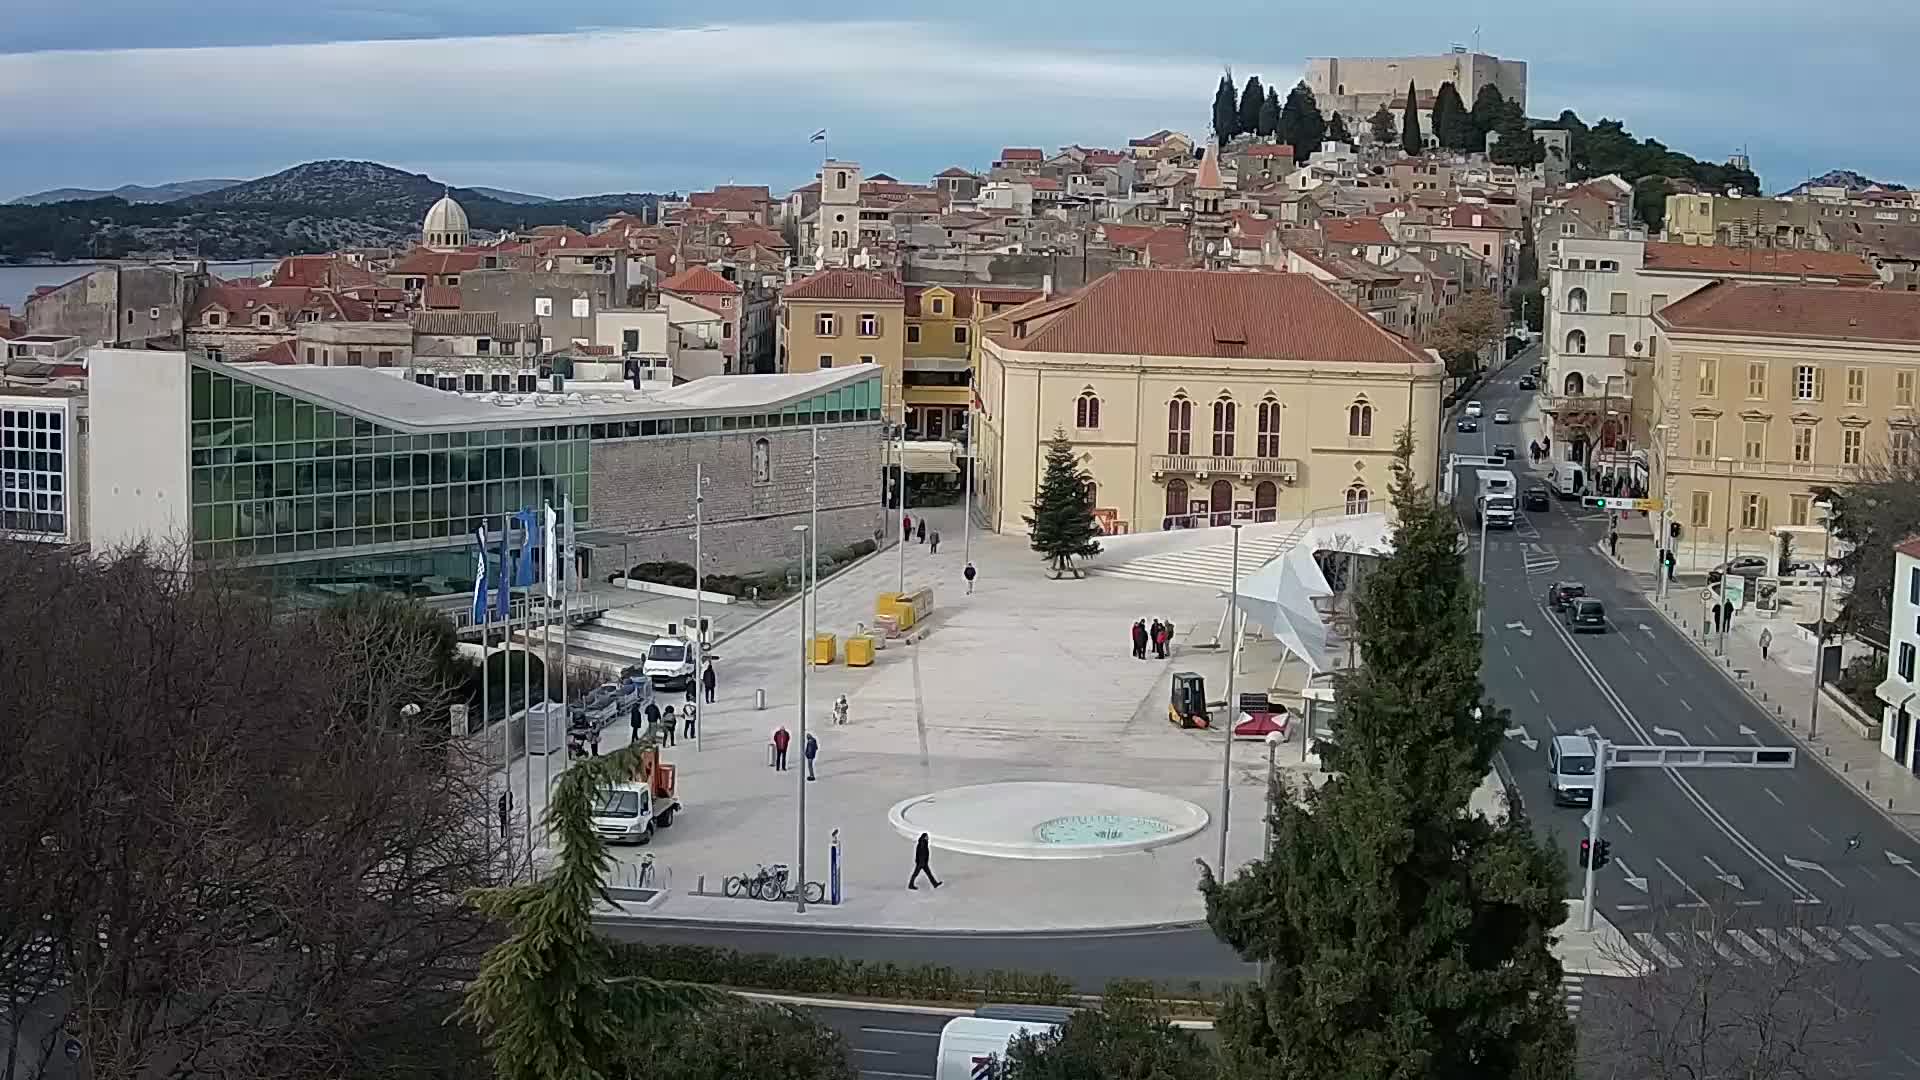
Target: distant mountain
x,y
520,198
133,193
1842,178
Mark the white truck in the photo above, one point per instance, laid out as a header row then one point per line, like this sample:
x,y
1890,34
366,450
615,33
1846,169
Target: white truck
x,y
1494,506
670,663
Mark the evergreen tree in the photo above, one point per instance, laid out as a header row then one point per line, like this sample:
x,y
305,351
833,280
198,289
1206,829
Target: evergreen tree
x,y
1252,97
1528,269
1452,124
1301,125
1385,131
1411,139
1226,113
1130,1035
1516,145
1270,113
1337,130
1402,934
1489,107
1062,527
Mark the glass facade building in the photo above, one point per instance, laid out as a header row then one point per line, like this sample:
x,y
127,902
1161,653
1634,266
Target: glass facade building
x,y
34,459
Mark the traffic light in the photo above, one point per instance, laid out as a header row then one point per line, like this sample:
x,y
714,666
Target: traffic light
x,y
1586,851
1600,857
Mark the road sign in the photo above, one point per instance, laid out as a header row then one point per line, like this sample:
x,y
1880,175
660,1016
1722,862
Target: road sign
x,y
1615,502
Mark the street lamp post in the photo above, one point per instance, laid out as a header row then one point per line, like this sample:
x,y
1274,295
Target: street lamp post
x,y
1479,610
1656,454
1820,634
699,585
1233,707
1726,555
901,444
806,661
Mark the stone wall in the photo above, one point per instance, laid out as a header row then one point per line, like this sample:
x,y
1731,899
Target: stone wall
x,y
642,490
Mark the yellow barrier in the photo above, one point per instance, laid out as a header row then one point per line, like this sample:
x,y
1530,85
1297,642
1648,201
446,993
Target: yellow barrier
x,y
859,651
825,646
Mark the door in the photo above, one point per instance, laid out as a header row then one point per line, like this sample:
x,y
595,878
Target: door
x,y
1176,505
1266,498
1221,496
1901,726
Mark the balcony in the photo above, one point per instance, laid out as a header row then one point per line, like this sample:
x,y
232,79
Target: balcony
x,y
1768,470
1287,470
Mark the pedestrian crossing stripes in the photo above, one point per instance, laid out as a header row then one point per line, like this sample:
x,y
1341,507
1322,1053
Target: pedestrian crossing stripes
x,y
1573,991
1763,945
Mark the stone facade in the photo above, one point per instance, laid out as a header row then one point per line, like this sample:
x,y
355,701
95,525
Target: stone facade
x,y
642,490
117,305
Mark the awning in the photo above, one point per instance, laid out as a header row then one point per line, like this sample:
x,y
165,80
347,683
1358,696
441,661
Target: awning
x,y
1895,691
935,458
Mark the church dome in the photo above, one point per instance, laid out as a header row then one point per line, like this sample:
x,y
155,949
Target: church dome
x,y
445,225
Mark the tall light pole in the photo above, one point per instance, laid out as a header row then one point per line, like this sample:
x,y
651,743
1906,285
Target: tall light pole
x,y
902,459
1479,611
1726,555
806,661
1820,635
1233,707
1662,541
699,585
973,447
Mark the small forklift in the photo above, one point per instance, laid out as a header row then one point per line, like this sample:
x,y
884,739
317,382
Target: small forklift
x,y
1188,708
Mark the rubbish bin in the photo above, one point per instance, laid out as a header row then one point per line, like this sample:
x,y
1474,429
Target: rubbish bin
x,y
825,646
859,651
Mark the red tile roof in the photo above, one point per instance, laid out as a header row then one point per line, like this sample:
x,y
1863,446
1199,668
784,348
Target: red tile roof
x,y
1909,547
699,281
1105,157
1208,177
1352,231
1269,150
1818,312
953,171
1210,313
845,285
720,199
322,272
1044,183
423,263
1785,262
1469,216
441,298
281,352
1022,153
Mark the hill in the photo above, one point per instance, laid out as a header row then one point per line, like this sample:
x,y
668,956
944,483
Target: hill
x,y
519,197
1842,178
317,206
133,193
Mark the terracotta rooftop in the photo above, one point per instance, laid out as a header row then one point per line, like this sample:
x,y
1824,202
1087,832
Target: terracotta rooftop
x,y
421,262
441,297
1818,312
1208,313
1909,547
699,281
1022,153
1786,262
1351,231
321,272
1208,178
954,171
845,285
1273,150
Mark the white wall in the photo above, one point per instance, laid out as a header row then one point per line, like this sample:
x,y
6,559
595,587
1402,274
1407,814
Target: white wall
x,y
609,324
137,483
1902,631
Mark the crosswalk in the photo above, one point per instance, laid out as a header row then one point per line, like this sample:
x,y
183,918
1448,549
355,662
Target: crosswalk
x,y
1573,991
1764,945
1210,566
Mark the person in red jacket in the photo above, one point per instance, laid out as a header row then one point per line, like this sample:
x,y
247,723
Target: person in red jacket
x,y
780,741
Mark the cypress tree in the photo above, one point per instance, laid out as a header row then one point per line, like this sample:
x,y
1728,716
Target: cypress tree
x,y
1452,124
1403,935
1301,125
1252,97
1489,106
1062,527
1385,131
1270,113
1337,130
1411,140
1226,114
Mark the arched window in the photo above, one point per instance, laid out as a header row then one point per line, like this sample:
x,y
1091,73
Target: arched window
x,y
1220,501
1223,418
1357,499
1180,425
1266,497
1577,341
1575,385
1086,410
1577,300
1176,504
1360,419
1267,441
1093,493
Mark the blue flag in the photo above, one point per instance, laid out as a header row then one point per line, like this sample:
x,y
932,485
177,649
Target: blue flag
x,y
504,596
480,577
528,571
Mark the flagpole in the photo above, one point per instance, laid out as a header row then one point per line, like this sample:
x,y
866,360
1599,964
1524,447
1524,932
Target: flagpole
x,y
548,571
966,521
699,620
526,697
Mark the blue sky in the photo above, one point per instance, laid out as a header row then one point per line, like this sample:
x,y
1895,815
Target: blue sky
x,y
571,97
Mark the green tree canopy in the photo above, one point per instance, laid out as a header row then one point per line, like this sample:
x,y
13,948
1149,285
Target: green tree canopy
x,y
1403,935
1270,113
1301,125
1489,109
1412,140
1452,125
1527,267
736,1038
1337,129
1650,201
1385,131
1129,1037
1062,526
1226,110
1252,97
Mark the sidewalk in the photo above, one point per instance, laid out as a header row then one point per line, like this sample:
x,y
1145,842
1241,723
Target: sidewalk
x,y
1782,683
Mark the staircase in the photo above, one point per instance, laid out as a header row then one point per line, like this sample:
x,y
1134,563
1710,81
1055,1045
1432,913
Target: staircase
x,y
617,639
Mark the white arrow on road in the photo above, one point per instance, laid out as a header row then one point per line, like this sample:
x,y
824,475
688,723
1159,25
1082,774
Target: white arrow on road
x,y
1721,873
1903,863
1802,864
1589,731
1526,740
1520,626
1669,733
1647,628
1636,882
1748,733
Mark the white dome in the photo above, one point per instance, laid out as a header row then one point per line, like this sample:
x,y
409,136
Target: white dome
x,y
446,224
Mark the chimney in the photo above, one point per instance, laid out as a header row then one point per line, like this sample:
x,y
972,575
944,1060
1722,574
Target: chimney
x,y
1046,286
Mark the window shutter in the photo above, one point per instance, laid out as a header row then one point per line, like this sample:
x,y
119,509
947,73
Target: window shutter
x,y
1819,384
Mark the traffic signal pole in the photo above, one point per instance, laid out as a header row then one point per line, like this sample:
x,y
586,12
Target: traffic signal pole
x,y
1593,829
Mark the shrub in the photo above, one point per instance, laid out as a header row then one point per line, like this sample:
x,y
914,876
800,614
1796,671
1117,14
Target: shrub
x,y
1859,678
677,574
839,976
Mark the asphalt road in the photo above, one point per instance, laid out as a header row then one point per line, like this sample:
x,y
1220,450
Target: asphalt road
x,y
1743,867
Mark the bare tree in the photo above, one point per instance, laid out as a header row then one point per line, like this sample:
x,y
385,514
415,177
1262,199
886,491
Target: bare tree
x,y
230,847
1720,994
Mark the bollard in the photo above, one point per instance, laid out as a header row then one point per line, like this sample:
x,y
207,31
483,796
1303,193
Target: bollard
x,y
1869,784
1845,766
700,885
760,699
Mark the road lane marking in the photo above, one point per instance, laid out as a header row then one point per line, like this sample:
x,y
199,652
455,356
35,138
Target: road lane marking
x,y
1660,952
901,1031
1817,833
1833,935
897,1075
1517,671
1620,821
1887,931
1751,946
1813,945
1772,796
1642,656
1785,947
1726,954
1683,703
1699,901
1710,734
1662,678
1874,943
1535,694
871,1050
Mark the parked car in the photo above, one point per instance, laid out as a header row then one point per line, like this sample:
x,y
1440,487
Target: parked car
x,y
1501,416
1473,408
1534,498
1526,382
1585,615
1467,423
1746,566
1560,592
1506,450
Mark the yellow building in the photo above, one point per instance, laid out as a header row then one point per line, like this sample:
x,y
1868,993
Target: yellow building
x,y
838,318
1769,390
1196,395
943,347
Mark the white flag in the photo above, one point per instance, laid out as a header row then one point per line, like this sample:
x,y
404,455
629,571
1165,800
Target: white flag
x,y
552,556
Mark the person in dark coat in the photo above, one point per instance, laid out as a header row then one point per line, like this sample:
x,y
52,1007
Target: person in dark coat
x,y
1726,615
933,543
638,721
780,741
506,813
1156,637
1716,618
920,530
668,720
969,573
921,854
809,750
652,713
1140,639
707,681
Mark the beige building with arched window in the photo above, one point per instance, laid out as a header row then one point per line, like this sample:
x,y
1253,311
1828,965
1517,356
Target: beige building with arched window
x,y
1196,395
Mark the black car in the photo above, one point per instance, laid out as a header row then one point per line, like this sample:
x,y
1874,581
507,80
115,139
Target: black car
x,y
1534,498
1467,423
1506,450
1526,382
1585,615
1560,593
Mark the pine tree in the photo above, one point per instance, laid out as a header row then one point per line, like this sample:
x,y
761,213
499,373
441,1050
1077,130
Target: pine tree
x,y
1252,97
1270,113
1385,131
1452,124
1226,113
1337,130
1402,934
1062,527
1489,106
1527,271
1411,140
1301,125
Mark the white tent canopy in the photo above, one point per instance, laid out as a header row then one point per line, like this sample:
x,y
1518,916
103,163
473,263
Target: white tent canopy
x,y
1279,596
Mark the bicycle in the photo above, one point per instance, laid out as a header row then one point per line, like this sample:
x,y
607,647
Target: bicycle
x,y
765,883
814,891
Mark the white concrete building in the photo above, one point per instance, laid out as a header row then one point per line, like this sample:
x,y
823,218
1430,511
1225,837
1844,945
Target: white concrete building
x,y
1899,689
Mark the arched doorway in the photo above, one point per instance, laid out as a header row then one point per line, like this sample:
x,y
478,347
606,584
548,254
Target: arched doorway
x,y
1266,498
1176,505
1575,385
1220,499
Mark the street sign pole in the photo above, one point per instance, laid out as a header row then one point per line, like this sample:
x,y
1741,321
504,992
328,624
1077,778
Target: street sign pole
x,y
1593,829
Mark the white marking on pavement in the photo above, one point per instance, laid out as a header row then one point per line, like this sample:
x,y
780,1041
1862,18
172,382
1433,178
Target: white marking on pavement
x,y
1622,822
1887,931
1748,733
1803,864
1786,947
1536,695
1721,873
897,1075
1714,942
1711,737
1813,945
1526,740
1874,943
1662,678
1509,652
1683,703
1669,733
1636,882
1699,901
1630,907
1903,863
1750,945
1642,656
1833,934
902,1031
871,1050
1522,627
1818,833
1660,952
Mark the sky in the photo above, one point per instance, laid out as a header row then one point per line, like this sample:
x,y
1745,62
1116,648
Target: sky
x,y
576,97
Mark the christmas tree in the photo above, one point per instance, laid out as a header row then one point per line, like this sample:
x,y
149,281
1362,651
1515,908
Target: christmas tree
x,y
1061,526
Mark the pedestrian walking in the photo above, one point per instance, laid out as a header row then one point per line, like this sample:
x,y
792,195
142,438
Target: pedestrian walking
x,y
840,709
780,741
921,854
687,719
1670,563
933,543
1613,542
593,741
652,713
969,573
1716,618
810,750
906,527
1153,637
920,530
1726,615
668,720
707,681
1166,630
636,719
693,689
1766,640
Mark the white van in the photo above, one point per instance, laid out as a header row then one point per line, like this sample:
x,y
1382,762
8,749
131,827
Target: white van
x,y
1570,760
970,1044
1569,479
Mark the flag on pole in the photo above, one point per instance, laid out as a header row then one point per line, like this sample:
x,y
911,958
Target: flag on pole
x,y
549,567
567,538
504,597
818,136
524,572
480,577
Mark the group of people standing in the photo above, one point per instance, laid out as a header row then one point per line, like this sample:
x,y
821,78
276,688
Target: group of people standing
x,y
1157,639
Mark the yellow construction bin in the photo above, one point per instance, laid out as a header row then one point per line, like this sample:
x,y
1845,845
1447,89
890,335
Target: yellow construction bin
x,y
897,607
825,646
884,602
859,651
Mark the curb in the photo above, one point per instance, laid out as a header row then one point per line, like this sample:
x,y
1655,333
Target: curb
x,y
804,1002
867,930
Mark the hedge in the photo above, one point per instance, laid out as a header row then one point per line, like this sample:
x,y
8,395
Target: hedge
x,y
837,976
768,584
